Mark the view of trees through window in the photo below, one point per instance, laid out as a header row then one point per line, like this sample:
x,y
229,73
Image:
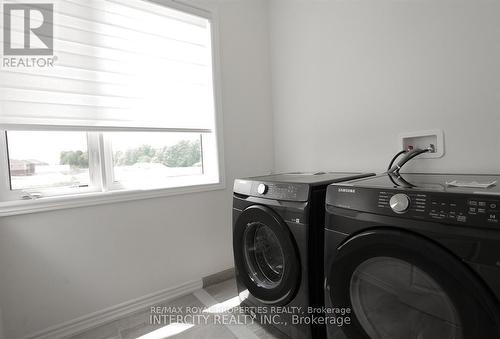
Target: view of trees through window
x,y
75,159
185,153
137,157
150,158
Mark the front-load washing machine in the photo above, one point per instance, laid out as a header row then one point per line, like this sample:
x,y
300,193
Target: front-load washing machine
x,y
278,225
414,256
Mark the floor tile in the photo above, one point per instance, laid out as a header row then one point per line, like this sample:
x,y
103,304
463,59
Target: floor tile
x,y
139,324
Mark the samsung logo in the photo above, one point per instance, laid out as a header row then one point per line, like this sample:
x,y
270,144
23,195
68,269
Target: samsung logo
x,y
347,190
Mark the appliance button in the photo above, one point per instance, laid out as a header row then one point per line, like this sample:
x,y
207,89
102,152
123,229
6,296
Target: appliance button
x,y
462,218
481,210
493,206
400,203
472,210
473,203
262,189
482,203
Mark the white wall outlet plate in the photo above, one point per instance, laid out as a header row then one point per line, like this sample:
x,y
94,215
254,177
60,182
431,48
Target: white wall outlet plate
x,y
424,139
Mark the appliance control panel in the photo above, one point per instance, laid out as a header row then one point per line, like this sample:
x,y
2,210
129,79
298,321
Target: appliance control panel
x,y
460,209
453,208
272,190
278,191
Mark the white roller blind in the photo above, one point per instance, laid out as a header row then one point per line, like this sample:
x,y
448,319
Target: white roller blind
x,y
123,63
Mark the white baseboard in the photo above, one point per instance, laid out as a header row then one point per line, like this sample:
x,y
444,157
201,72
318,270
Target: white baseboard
x,y
98,318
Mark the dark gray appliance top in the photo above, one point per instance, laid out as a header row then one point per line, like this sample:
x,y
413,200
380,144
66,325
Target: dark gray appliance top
x,y
468,200
290,186
310,178
449,183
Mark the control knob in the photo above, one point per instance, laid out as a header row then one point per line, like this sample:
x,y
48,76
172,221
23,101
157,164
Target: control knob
x,y
262,189
399,203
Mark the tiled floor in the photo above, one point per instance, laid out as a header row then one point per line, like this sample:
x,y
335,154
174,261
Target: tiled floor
x,y
221,297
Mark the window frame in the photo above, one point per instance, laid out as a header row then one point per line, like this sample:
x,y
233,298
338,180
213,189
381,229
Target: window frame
x,y
103,188
24,194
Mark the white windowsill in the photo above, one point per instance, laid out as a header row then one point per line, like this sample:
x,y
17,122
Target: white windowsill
x,y
97,198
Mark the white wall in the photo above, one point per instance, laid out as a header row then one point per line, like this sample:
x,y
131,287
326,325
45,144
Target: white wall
x,y
60,265
349,76
2,336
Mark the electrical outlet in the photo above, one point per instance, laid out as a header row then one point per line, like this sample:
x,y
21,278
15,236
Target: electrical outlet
x,y
433,139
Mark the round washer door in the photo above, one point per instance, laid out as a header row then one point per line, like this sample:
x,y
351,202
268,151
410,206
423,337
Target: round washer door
x,y
399,285
266,255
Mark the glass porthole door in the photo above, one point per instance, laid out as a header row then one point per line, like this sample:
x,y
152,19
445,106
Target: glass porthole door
x,y
392,298
401,286
266,255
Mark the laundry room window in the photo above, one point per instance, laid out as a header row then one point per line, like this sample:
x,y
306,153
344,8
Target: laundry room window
x,y
48,163
128,109
143,159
